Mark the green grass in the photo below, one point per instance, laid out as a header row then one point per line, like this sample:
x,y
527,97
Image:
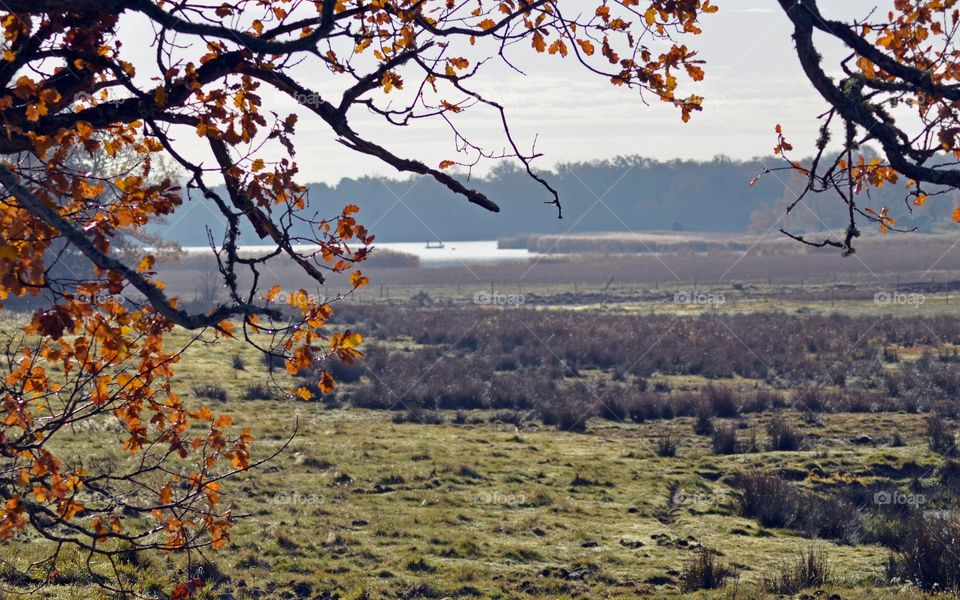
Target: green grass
x,y
360,507
358,503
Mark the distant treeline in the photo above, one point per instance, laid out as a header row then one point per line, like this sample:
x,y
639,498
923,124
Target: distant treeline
x,y
619,195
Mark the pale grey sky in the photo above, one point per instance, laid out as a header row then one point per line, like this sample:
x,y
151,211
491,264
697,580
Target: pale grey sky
x,y
753,82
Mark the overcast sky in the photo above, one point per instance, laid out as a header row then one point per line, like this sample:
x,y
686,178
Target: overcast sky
x,y
753,82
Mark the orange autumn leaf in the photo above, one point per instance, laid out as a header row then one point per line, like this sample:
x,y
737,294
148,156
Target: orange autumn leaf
x,y
146,263
538,42
166,494
326,383
357,279
227,328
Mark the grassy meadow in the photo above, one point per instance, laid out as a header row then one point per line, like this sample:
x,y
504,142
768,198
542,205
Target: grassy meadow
x,y
777,444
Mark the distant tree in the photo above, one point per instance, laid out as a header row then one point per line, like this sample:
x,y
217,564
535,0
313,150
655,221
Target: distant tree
x,y
68,87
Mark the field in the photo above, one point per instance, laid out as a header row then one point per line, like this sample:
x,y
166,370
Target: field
x,y
765,436
760,267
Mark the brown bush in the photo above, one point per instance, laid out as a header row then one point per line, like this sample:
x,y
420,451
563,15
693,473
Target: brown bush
x,y
767,498
725,440
783,436
704,572
808,569
930,556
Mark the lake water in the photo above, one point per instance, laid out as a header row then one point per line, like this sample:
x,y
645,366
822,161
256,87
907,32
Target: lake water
x,y
452,253
484,252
